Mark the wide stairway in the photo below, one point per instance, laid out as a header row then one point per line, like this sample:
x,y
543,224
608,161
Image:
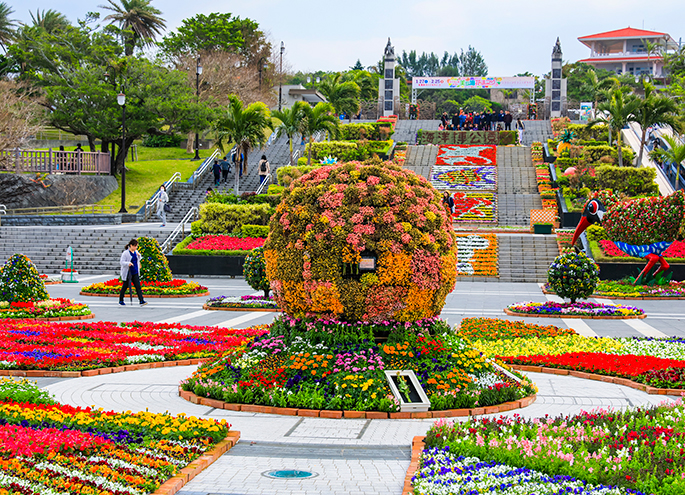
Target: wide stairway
x,y
405,130
97,249
536,130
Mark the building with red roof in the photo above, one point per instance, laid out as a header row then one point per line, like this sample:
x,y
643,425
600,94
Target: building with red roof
x,y
624,51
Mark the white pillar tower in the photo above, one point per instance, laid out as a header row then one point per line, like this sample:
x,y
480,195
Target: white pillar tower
x,y
388,86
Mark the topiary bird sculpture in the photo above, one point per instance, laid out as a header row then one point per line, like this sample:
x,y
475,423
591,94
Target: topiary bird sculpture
x,y
643,228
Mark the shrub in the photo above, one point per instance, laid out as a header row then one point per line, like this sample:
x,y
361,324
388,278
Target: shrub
x,y
20,281
255,230
596,233
563,163
155,266
23,391
274,189
162,141
288,174
627,180
598,132
595,153
573,275
254,270
344,151
218,218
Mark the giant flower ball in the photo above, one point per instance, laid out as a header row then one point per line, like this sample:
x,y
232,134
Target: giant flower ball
x,y
361,242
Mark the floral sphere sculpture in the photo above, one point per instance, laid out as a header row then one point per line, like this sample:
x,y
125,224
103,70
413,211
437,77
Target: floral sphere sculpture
x,y
20,281
573,275
361,242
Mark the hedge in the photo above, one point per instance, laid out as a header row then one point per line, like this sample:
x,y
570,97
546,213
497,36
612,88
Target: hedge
x,y
598,132
218,218
245,198
595,153
374,131
288,173
254,230
628,180
344,151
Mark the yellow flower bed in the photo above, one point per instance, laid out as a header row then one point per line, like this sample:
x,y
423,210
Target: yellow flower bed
x,y
546,346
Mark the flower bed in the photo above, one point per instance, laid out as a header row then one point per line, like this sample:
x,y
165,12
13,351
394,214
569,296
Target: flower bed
x,y
573,310
460,154
50,308
47,280
637,451
237,302
464,178
496,329
475,207
28,345
335,365
477,255
176,287
219,245
612,289
52,448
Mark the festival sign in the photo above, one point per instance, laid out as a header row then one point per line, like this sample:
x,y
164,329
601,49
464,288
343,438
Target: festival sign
x,y
473,82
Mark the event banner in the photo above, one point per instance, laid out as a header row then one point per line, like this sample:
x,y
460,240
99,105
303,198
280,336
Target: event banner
x,y
473,82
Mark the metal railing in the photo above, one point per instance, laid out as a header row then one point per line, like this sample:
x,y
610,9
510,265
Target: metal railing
x,y
192,215
151,204
296,155
60,210
264,184
204,168
49,161
272,138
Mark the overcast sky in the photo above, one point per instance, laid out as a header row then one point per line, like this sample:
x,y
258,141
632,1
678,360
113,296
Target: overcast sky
x,y
513,36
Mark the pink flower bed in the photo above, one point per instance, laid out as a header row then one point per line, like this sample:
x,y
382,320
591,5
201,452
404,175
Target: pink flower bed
x,y
226,243
675,250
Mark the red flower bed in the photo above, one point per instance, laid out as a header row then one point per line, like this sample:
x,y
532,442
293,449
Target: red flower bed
x,y
226,243
177,282
18,440
675,250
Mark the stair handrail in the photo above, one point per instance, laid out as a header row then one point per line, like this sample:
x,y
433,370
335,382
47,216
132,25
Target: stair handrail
x,y
3,210
272,138
204,168
193,214
264,184
151,203
296,155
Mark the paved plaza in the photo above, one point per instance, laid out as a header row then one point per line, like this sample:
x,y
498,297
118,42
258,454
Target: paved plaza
x,y
349,456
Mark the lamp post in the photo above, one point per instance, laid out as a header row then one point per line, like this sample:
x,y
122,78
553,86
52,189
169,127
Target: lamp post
x,y
280,79
198,72
121,100
262,66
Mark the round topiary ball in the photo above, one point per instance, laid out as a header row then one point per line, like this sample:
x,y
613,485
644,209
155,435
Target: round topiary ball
x,y
20,281
573,276
155,266
254,271
361,242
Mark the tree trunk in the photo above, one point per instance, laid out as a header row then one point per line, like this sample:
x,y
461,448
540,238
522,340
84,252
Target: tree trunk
x,y
245,150
642,146
190,143
91,143
620,150
290,142
121,155
104,146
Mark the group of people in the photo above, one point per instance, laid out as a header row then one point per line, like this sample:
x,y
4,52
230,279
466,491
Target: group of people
x,y
221,168
474,121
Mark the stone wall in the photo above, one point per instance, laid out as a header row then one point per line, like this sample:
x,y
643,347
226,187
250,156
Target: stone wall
x,y
24,191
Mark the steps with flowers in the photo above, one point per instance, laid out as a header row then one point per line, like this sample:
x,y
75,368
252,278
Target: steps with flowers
x,y
517,192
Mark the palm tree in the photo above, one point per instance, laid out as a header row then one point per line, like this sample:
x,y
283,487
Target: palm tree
x,y
319,118
291,122
675,154
598,88
655,109
139,21
620,110
7,26
344,96
246,127
50,20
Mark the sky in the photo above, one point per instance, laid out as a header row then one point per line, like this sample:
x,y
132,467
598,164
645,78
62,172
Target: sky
x,y
513,36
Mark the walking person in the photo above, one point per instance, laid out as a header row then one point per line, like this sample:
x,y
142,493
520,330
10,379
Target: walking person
x,y
520,128
264,169
225,169
162,204
508,119
130,271
448,202
216,168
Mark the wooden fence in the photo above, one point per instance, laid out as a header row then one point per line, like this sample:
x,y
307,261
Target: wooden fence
x,y
51,162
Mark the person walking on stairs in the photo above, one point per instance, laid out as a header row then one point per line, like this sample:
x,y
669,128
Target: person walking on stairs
x,y
216,169
162,204
264,169
130,272
225,169
448,202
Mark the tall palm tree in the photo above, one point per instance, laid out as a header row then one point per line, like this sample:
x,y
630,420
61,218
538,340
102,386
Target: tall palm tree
x,y
291,122
246,127
620,110
343,95
319,118
139,21
50,20
655,109
7,26
675,154
598,88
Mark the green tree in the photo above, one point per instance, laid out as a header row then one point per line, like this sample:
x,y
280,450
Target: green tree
x,y
675,154
7,26
246,127
472,63
655,109
357,66
140,22
291,122
50,20
621,109
477,104
319,118
594,86
344,96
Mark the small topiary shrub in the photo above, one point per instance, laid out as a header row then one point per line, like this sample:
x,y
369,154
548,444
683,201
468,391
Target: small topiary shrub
x,y
254,230
20,281
155,266
573,276
254,271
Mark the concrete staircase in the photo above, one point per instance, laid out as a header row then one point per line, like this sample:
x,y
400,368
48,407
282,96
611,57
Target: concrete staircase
x,y
405,130
536,130
525,257
517,191
96,249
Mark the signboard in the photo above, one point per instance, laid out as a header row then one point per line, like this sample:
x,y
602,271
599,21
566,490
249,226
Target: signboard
x,y
473,82
585,111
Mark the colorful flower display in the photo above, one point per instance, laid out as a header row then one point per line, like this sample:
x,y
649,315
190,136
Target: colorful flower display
x,y
475,207
588,309
609,248
20,281
28,344
459,154
496,329
177,286
477,255
361,242
226,243
50,308
464,178
242,302
573,275
636,451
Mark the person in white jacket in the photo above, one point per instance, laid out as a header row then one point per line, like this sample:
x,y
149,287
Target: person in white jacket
x,y
130,271
162,201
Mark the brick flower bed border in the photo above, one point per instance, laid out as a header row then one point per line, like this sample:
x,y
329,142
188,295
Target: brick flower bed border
x,y
57,318
183,477
100,371
266,310
56,282
531,315
329,413
417,444
147,296
629,298
601,378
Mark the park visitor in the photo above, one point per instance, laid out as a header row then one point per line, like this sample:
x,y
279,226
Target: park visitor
x,y
130,271
264,169
448,202
163,204
216,168
225,169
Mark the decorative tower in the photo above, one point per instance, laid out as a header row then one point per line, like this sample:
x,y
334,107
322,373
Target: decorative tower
x,y
388,86
555,86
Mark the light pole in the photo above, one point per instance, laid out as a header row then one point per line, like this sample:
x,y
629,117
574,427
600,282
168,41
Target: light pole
x,y
198,72
280,79
121,100
262,66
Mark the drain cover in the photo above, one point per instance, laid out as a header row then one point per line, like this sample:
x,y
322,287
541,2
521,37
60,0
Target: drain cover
x,y
289,474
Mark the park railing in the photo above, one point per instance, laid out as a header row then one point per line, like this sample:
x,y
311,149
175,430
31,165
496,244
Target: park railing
x,y
50,162
61,210
192,215
202,170
151,204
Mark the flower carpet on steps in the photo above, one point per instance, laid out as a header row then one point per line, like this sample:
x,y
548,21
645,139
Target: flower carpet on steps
x,y
475,207
458,154
477,255
464,178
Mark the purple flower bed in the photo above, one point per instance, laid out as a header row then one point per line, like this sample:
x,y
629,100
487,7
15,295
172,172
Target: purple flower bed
x,y
551,308
241,302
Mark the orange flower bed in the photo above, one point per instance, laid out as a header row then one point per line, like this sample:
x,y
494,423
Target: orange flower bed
x,y
477,255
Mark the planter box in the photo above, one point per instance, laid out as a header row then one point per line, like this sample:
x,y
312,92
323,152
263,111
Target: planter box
x,y
69,277
542,228
419,400
231,266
